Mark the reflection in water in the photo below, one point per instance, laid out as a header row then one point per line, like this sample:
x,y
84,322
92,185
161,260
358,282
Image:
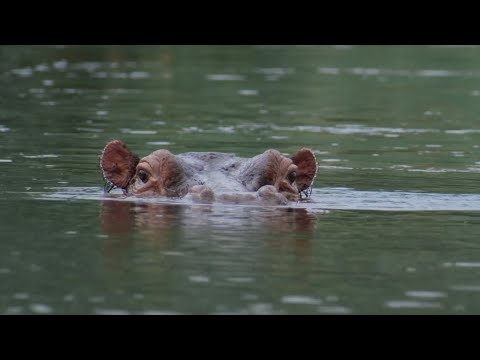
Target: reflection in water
x,y
161,224
120,220
155,220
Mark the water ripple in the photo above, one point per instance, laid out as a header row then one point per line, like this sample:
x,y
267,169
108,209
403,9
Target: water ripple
x,y
334,310
408,304
21,296
276,71
351,129
343,198
473,288
426,294
428,73
224,77
25,72
41,309
42,68
138,132
240,279
300,299
14,310
160,143
322,199
462,264
248,92
60,65
159,312
111,312
44,156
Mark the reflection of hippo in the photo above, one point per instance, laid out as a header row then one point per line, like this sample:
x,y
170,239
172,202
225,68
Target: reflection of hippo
x,y
208,176
141,228
156,220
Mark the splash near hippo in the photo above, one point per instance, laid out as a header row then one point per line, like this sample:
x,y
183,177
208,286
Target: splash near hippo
x,y
270,177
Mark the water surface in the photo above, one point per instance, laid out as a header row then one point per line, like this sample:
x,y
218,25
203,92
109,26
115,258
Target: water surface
x,y
392,229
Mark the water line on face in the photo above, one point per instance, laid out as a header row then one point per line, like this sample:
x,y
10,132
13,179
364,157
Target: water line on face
x,y
327,198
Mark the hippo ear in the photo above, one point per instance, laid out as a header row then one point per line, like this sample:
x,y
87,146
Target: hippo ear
x,y
118,163
306,168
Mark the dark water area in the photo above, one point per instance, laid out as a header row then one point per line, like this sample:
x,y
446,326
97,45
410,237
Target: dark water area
x,y
394,221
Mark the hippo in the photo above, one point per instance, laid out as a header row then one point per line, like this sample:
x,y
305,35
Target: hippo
x,y
207,177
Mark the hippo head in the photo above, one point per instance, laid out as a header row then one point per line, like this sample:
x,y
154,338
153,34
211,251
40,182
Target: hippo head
x,y
159,173
206,175
289,176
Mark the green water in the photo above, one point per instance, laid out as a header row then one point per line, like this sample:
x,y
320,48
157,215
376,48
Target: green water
x,y
393,229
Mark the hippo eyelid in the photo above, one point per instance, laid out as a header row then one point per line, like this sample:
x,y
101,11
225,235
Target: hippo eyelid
x,y
143,175
292,177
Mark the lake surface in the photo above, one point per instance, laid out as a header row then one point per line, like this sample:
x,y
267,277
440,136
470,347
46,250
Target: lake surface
x,y
393,229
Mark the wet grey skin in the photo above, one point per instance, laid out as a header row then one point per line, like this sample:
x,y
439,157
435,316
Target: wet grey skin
x,y
269,178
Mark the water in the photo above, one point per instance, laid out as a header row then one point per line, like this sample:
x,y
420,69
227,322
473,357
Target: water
x,y
393,228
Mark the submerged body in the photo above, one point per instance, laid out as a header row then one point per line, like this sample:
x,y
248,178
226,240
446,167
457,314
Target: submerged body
x,y
210,176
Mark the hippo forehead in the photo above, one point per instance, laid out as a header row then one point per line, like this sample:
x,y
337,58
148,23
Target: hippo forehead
x,y
271,164
158,160
266,169
274,161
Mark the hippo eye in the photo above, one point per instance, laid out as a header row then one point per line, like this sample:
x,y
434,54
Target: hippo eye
x,y
292,176
143,175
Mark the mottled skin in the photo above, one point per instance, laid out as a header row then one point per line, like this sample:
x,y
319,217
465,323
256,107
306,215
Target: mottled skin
x,y
210,176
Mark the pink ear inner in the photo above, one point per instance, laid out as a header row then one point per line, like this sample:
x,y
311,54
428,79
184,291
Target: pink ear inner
x,y
118,163
306,168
